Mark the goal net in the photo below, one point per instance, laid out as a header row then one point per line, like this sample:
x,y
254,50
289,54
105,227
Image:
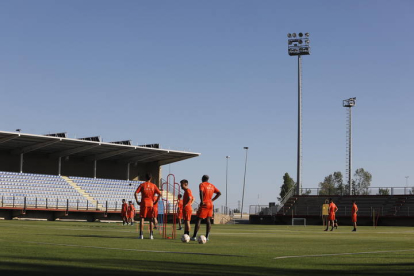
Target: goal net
x,y
299,221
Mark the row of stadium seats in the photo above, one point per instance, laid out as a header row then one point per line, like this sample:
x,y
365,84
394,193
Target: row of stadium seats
x,y
107,191
43,191
37,189
20,175
96,179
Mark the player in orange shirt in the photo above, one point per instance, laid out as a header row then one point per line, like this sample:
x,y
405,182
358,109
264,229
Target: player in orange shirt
x,y
205,210
331,218
188,199
180,211
155,211
147,190
124,212
131,213
354,212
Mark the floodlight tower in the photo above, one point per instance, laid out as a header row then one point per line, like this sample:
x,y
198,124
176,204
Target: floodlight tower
x,y
244,182
349,103
298,45
227,170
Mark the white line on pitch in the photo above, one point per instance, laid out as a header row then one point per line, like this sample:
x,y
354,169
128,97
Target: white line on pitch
x,y
341,254
131,249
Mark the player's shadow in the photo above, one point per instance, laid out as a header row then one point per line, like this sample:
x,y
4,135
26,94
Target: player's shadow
x,y
98,236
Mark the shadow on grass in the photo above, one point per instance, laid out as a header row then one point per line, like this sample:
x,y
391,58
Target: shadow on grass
x,y
99,236
86,266
94,236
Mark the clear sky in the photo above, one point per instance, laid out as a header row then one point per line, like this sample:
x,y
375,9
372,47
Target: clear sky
x,y
213,77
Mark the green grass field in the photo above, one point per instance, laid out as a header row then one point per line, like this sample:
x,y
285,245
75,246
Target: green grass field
x,y
81,248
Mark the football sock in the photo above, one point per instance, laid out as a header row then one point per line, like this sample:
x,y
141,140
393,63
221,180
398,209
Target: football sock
x,y
187,232
140,233
152,234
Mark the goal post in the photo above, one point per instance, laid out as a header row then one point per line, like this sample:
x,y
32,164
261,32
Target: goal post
x,y
299,221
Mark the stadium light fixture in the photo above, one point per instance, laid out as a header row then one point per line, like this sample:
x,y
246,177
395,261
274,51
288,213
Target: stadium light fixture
x,y
18,130
289,35
296,47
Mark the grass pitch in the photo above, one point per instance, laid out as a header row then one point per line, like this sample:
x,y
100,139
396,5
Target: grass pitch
x,y
81,248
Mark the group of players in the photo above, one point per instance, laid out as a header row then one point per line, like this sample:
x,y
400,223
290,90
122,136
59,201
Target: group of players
x,y
150,195
331,209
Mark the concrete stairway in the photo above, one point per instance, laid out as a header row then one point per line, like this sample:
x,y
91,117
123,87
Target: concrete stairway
x,y
82,192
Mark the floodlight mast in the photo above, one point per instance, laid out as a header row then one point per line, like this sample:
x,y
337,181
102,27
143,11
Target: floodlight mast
x,y
298,47
349,103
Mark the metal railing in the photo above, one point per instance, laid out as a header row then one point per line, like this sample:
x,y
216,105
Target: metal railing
x,y
366,210
367,191
263,210
58,204
288,195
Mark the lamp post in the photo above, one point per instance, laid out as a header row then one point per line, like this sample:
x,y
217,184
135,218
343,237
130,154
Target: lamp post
x,y
227,170
349,103
298,45
244,182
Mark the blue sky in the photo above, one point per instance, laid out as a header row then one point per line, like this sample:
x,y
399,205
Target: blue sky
x,y
215,76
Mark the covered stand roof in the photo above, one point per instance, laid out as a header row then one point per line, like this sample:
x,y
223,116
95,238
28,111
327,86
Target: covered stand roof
x,y
55,147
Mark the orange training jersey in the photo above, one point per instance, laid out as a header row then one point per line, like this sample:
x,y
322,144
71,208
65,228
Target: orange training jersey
x,y
332,208
188,196
354,209
208,190
180,205
124,207
147,190
131,209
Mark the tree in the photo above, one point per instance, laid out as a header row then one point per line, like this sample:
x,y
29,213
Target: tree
x,y
361,182
332,184
307,192
327,187
288,184
384,191
339,183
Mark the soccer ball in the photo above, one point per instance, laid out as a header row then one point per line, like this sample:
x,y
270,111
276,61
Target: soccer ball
x,y
202,239
185,238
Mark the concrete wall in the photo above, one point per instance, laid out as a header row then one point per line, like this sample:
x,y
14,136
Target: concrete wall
x,y
9,162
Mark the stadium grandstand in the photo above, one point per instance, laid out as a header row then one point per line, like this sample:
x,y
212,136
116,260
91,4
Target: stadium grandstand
x,y
386,210
52,176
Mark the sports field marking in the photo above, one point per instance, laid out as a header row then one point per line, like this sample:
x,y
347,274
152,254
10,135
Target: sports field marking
x,y
341,254
135,250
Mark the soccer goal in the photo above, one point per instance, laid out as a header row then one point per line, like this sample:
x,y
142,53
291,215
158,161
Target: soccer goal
x,y
299,221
